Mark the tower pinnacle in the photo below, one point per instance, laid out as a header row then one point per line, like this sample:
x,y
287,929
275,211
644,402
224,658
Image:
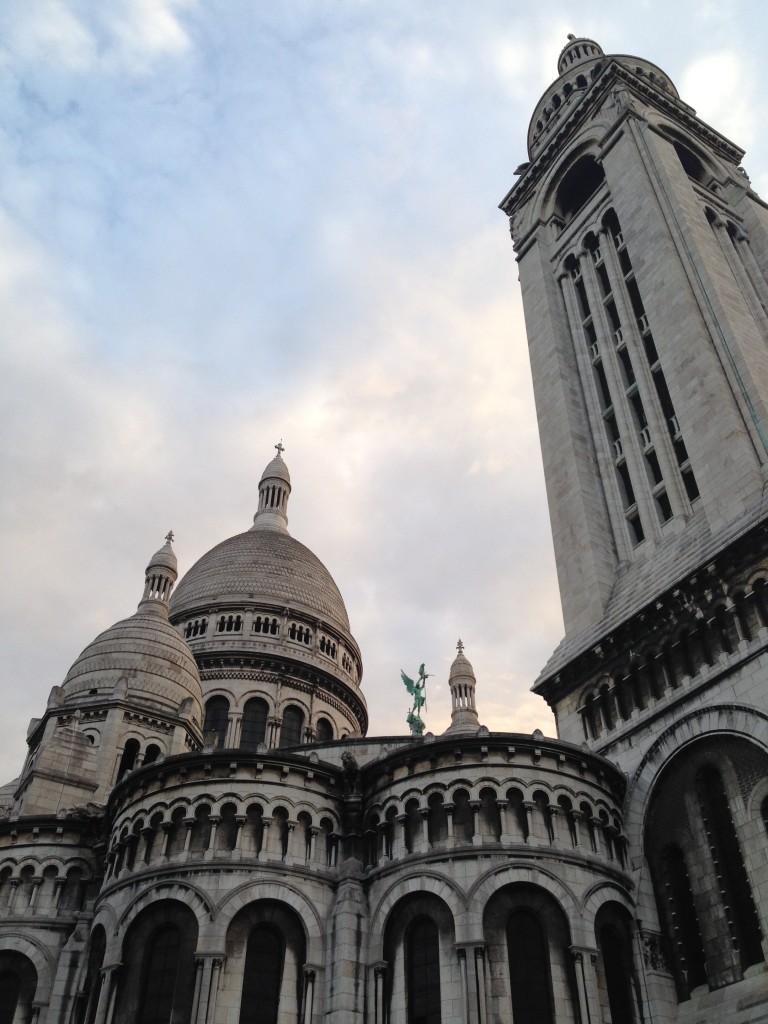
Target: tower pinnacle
x,y
274,490
461,681
161,574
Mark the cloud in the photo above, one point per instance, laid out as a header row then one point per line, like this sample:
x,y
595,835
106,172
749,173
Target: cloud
x,y
721,87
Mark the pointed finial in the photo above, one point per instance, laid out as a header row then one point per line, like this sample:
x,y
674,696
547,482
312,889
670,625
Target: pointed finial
x,y
280,448
169,537
571,37
460,647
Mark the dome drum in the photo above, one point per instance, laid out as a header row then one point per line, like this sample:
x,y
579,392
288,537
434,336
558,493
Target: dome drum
x,y
263,627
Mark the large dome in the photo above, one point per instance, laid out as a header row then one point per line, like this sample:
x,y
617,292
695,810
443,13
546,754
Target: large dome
x,y
147,655
262,565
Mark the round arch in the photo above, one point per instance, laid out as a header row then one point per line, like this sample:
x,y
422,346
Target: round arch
x,y
38,955
497,878
733,719
277,892
189,895
421,882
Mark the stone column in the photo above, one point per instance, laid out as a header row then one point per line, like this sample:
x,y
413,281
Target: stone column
x,y
576,818
451,839
211,848
199,964
308,1005
462,955
556,836
33,894
147,832
506,835
424,841
14,884
398,846
476,837
290,845
216,965
265,853
480,985
584,961
237,848
379,991
58,890
189,824
106,993
314,831
532,839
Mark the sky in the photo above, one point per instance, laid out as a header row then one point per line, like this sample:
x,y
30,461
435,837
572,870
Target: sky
x,y
224,223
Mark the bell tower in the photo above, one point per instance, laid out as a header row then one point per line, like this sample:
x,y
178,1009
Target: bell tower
x,y
643,256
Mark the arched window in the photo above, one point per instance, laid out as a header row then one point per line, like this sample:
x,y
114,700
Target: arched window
x,y
529,973
93,978
128,760
422,967
9,996
216,721
615,968
729,866
579,184
161,968
293,721
18,982
254,726
152,753
262,976
157,980
323,731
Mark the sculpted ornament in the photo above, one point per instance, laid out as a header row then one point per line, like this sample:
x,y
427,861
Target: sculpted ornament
x,y
418,689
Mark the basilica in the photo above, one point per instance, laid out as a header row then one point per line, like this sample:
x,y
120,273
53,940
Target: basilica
x,y
203,832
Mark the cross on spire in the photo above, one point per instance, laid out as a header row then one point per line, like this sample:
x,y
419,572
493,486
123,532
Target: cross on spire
x,y
460,647
169,536
280,448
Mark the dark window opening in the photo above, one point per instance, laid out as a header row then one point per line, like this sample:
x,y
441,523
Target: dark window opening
x,y
578,186
422,955
529,971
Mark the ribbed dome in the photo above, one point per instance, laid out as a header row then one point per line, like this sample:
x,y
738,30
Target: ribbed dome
x,y
145,652
276,469
261,565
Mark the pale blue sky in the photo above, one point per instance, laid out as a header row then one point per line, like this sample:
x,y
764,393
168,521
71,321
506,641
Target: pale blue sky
x,y
223,223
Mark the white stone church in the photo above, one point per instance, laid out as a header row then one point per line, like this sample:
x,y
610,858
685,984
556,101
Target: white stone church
x,y
204,833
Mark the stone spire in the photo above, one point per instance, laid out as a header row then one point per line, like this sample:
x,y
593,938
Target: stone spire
x,y
461,680
274,490
161,574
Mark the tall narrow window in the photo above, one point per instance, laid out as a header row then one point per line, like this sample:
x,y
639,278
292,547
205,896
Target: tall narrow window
x,y
728,863
254,726
323,731
128,760
617,964
216,721
293,721
9,996
682,922
160,994
262,976
529,973
422,959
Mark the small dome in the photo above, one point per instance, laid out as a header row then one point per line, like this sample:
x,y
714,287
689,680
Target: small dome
x,y
277,469
165,558
144,659
267,566
461,681
461,668
575,51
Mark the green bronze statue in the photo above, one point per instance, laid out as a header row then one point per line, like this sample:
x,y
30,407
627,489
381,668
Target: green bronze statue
x,y
418,689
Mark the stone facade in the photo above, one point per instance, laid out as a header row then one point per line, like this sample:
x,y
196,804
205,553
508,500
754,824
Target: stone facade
x,y
203,832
